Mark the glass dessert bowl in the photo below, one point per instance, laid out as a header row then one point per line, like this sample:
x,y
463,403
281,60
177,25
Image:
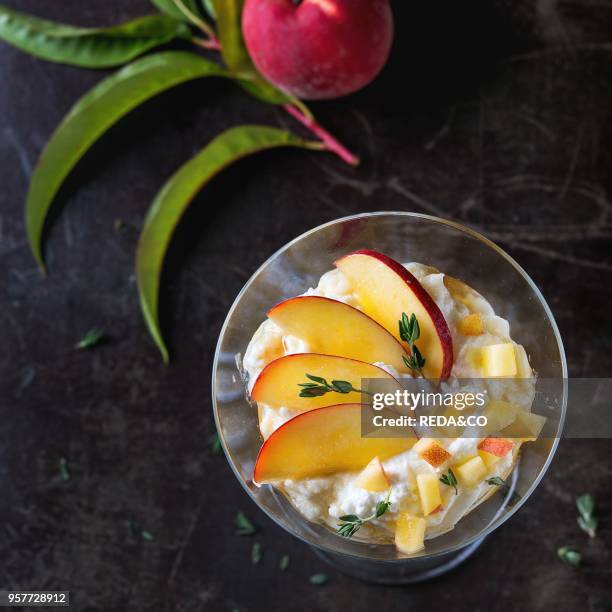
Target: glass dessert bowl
x,y
335,309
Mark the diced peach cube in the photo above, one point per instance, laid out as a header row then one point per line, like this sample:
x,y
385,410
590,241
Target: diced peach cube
x,y
410,533
488,459
496,446
471,472
522,362
498,360
526,426
429,492
499,415
431,451
472,325
373,477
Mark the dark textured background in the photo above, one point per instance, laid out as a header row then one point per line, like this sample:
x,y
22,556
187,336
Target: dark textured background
x,y
497,114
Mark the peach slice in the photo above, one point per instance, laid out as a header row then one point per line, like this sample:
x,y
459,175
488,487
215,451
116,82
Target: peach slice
x,y
322,441
429,492
373,477
496,446
432,451
277,384
410,533
335,328
386,290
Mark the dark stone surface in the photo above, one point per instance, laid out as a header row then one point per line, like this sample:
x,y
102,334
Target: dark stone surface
x,y
496,114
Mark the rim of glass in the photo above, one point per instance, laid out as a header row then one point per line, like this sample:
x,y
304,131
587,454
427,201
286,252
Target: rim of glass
x,y
474,234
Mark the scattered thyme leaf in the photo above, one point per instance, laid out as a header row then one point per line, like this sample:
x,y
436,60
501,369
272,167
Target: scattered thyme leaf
x,y
256,553
569,555
119,225
244,525
137,530
450,480
505,487
585,504
586,507
284,563
318,579
63,469
320,387
350,524
91,338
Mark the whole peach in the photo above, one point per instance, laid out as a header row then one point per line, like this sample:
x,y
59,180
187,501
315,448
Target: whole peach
x,y
316,49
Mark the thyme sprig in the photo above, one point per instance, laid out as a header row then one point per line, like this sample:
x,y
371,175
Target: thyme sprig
x,y
450,480
319,386
505,487
410,332
350,524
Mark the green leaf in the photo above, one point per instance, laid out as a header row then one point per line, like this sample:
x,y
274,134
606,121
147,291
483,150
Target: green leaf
x,y
237,58
585,504
175,196
256,553
342,386
244,525
91,338
319,579
87,47
63,469
349,518
210,8
317,379
284,563
171,7
95,113
569,555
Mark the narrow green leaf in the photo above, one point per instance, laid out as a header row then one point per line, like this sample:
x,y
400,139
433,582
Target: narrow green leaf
x,y
174,198
87,47
210,8
170,7
585,504
284,563
236,55
256,553
63,469
91,338
244,525
318,579
95,113
569,555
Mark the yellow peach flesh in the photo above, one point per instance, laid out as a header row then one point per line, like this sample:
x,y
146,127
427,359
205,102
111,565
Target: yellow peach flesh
x,y
410,533
373,477
278,383
386,290
331,327
320,442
